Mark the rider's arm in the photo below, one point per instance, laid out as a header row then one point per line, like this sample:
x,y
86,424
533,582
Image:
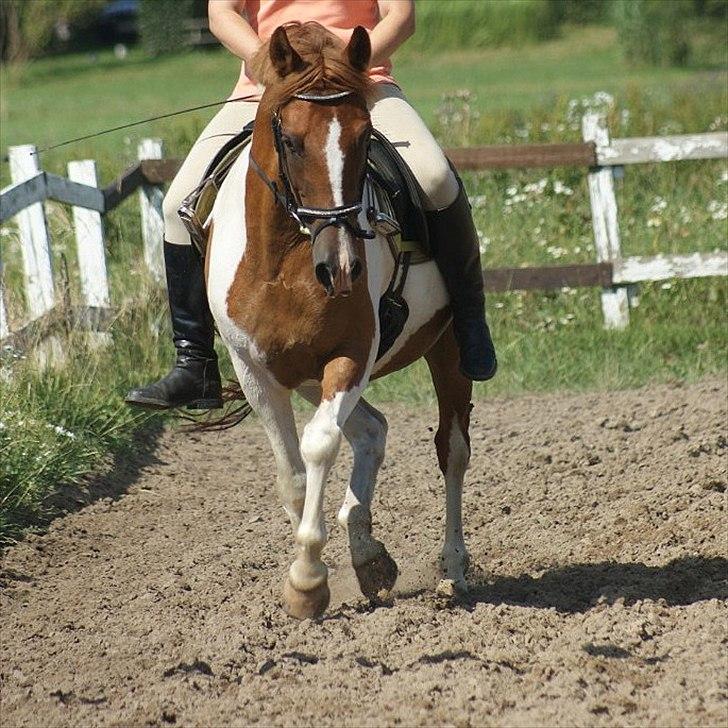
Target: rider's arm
x,y
397,23
231,29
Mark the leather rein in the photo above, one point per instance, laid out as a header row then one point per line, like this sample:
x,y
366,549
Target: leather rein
x,y
311,220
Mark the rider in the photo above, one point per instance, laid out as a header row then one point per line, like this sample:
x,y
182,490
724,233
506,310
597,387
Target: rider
x,y
242,26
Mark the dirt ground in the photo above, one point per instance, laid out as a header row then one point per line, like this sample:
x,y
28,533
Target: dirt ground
x,y
597,532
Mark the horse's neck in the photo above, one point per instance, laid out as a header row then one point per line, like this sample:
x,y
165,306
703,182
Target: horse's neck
x,y
271,232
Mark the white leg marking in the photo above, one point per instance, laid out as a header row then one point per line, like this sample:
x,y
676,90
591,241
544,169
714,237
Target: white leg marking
x,y
454,554
319,447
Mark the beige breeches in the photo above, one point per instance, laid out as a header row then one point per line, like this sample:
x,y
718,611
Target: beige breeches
x,y
391,114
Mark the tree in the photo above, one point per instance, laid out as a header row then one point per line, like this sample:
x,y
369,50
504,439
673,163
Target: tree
x,y
162,25
27,28
654,31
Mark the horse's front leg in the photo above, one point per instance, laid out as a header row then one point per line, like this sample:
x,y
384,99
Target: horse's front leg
x,y
306,592
272,403
366,431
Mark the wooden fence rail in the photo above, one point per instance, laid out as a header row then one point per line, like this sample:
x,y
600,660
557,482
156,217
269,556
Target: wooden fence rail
x,y
612,272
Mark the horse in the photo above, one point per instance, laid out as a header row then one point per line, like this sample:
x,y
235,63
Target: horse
x,y
294,281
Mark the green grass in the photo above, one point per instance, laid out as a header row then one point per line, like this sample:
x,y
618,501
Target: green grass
x,y
545,341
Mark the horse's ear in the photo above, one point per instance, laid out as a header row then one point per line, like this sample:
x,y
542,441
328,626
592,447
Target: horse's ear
x,y
282,55
359,50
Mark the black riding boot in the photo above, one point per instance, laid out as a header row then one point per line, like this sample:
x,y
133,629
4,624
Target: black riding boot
x,y
457,252
194,381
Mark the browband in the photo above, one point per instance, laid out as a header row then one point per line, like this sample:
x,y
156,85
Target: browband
x,y
324,97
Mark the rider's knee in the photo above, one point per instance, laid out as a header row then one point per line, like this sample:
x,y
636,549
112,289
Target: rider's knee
x,y
439,183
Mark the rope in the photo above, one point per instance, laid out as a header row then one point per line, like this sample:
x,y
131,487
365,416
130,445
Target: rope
x,y
144,121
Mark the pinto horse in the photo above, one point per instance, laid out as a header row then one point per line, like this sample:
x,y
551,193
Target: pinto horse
x,y
293,323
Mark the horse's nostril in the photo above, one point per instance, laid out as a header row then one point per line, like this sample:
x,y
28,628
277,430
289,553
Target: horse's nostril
x,y
324,277
356,269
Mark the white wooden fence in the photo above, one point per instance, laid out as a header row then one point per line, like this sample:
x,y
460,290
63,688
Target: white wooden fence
x,y
24,200
613,272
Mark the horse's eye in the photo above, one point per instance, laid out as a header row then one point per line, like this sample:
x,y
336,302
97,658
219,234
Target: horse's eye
x,y
294,145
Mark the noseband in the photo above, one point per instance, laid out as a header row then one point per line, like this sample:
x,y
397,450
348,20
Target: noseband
x,y
311,220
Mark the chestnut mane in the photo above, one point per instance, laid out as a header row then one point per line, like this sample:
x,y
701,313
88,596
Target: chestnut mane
x,y
326,68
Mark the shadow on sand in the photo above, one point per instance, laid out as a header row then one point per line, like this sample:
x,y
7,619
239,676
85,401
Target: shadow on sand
x,y
112,482
578,587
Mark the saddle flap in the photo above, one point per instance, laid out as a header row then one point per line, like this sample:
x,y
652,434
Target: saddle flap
x,y
391,174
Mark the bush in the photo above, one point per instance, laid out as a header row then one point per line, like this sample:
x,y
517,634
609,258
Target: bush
x,y
583,12
162,25
483,23
654,31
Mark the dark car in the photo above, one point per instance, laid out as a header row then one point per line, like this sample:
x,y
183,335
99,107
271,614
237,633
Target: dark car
x,y
118,22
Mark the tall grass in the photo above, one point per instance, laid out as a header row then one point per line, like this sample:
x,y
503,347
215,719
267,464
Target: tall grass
x,y
58,423
483,23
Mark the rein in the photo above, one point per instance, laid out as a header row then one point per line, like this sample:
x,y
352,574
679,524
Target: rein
x,y
288,198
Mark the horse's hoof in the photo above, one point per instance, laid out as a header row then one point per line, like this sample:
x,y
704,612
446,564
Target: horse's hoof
x,y
453,589
305,604
377,574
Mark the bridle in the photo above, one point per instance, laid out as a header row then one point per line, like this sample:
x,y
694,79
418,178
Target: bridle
x,y
311,220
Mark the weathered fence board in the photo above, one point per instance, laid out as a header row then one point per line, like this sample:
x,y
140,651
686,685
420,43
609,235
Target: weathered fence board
x,y
58,319
17,197
547,278
638,150
34,240
90,239
150,200
122,187
661,267
4,322
615,305
523,155
71,192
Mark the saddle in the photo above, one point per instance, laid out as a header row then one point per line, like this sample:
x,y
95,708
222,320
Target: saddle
x,y
394,209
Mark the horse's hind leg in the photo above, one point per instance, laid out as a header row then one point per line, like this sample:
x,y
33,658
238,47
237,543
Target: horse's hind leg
x,y
452,441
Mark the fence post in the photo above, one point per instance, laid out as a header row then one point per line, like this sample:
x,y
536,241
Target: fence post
x,y
615,303
150,200
4,324
90,247
34,240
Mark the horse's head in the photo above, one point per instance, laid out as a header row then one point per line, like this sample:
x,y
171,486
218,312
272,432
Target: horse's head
x,y
321,130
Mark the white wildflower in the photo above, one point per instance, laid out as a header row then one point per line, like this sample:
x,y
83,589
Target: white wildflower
x,y
477,200
536,188
498,304
555,251
61,431
561,189
718,209
484,241
666,286
658,205
724,176
512,191
654,222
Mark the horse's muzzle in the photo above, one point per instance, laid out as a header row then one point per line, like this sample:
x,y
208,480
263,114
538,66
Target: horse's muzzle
x,y
336,264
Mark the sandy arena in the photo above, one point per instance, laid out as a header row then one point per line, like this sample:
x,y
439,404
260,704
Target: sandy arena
x,y
597,533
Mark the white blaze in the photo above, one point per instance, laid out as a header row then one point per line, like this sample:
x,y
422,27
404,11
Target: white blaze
x,y
335,161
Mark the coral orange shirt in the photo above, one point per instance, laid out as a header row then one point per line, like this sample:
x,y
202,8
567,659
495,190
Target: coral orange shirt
x,y
338,16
